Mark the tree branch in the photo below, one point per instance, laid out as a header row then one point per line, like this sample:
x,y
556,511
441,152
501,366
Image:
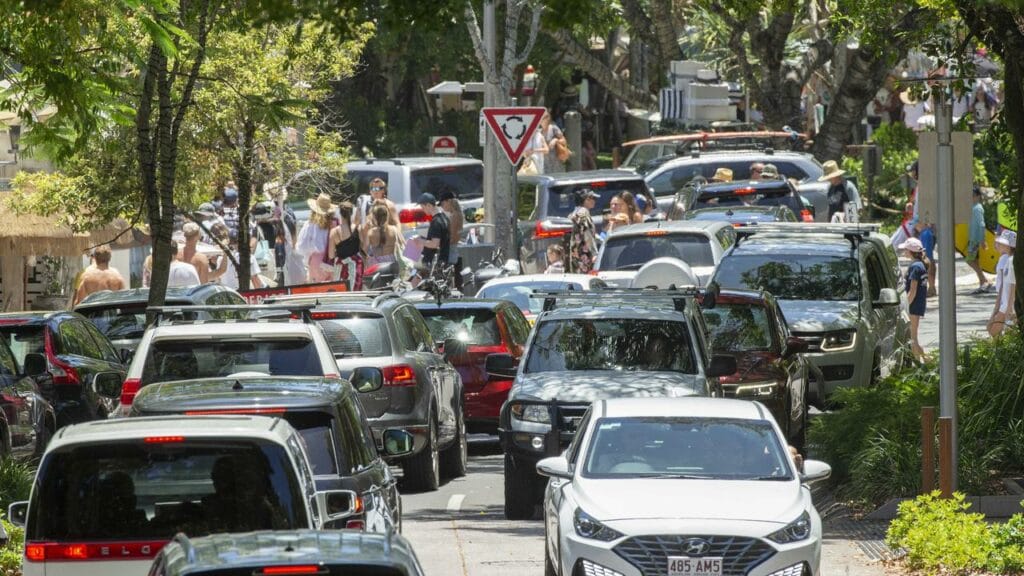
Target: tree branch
x,y
535,12
486,65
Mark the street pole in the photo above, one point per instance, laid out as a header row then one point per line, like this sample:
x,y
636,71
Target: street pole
x,y
490,158
947,276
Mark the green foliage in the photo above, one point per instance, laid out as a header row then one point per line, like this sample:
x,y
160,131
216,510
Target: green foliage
x,y
994,148
1008,540
16,479
940,535
11,555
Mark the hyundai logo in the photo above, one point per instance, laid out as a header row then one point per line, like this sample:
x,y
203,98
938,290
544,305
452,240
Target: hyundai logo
x,y
696,547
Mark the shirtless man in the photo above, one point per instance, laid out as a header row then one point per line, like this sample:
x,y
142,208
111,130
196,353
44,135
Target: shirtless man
x,y
100,276
192,256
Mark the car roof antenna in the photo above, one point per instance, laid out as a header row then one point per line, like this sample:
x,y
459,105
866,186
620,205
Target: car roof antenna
x,y
238,386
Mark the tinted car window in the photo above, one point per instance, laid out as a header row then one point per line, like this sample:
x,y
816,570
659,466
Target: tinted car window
x,y
318,436
793,276
519,294
517,325
356,334
562,200
75,339
357,444
119,321
104,345
466,180
416,337
738,327
189,359
24,340
137,490
719,448
475,327
611,344
632,252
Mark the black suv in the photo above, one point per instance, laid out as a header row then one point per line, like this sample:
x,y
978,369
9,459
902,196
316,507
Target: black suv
x,y
328,416
121,314
547,200
77,369
27,421
422,392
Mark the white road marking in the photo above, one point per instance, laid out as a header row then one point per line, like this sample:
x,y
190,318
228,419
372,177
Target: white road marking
x,y
455,503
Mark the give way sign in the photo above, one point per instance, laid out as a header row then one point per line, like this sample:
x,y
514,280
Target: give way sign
x,y
513,127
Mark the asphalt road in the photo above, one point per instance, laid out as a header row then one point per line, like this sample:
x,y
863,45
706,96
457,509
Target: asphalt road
x,y
460,530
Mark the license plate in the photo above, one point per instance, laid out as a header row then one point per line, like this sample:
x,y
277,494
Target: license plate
x,y
687,566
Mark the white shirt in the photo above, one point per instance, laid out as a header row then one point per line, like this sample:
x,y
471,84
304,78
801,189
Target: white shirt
x,y
181,275
912,113
1004,281
538,157
230,277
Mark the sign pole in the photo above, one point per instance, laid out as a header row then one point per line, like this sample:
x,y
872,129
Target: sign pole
x,y
947,283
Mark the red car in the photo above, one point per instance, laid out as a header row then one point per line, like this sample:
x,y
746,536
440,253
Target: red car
x,y
487,327
770,365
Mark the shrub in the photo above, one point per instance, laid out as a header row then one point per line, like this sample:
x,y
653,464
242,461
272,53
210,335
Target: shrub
x,y
1008,540
940,535
10,555
16,479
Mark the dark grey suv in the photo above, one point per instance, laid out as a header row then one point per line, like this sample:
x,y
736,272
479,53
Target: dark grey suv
x,y
422,392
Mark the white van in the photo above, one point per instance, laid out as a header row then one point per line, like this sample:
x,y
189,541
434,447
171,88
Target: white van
x,y
109,494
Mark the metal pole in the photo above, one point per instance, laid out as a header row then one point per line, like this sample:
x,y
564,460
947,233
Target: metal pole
x,y
490,145
947,281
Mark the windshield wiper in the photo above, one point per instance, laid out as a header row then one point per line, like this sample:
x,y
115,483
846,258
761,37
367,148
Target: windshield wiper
x,y
630,267
660,476
774,478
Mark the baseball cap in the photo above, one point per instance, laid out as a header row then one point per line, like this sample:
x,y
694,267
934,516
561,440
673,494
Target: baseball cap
x,y
207,209
426,198
230,194
447,194
1007,238
912,245
641,202
584,193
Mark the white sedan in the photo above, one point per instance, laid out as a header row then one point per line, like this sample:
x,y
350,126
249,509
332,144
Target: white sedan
x,y
680,487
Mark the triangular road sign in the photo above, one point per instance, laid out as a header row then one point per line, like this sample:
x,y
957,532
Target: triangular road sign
x,y
513,128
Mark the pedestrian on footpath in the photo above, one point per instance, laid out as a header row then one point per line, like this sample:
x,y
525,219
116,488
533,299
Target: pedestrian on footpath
x,y
312,240
976,241
364,206
1004,312
456,221
343,247
229,210
926,234
436,245
99,276
583,238
181,274
917,291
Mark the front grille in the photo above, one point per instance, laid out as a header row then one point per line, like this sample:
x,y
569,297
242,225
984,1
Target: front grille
x,y
649,554
569,416
813,340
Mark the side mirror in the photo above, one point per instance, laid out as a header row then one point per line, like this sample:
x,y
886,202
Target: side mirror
x,y
397,442
795,345
17,513
721,365
815,471
453,348
126,355
338,504
35,364
501,366
108,384
367,379
554,467
887,297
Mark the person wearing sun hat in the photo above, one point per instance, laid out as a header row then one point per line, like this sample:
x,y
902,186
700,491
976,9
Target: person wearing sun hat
x,y
312,241
840,191
1006,285
917,290
722,175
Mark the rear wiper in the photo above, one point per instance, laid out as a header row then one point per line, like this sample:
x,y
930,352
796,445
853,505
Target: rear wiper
x,y
340,355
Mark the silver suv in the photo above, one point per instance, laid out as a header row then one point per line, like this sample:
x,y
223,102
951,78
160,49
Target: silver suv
x,y
839,287
589,346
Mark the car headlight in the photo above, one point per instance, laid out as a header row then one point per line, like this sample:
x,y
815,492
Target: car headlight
x,y
531,413
759,389
587,527
795,531
839,340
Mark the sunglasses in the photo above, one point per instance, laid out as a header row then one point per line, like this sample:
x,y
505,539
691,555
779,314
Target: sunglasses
x,y
376,188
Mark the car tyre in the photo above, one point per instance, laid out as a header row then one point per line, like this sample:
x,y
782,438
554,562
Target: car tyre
x,y
520,484
455,459
423,471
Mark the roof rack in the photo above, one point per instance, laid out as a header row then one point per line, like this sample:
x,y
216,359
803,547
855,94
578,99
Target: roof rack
x,y
177,313
600,298
377,296
855,233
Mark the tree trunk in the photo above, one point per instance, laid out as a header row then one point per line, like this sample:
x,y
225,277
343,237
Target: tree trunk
x,y
600,72
244,180
665,32
150,139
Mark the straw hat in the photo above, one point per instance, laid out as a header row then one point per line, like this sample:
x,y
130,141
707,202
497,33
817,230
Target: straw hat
x,y
908,98
831,170
722,175
322,204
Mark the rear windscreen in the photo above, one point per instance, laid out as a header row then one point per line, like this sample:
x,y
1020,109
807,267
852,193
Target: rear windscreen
x,y
474,327
356,335
119,321
190,359
466,180
632,252
352,568
137,490
318,435
562,199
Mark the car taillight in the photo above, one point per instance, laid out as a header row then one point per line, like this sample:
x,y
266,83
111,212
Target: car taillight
x,y
42,552
297,569
542,231
355,525
498,349
62,373
399,375
324,315
129,389
163,439
806,215
413,216
371,270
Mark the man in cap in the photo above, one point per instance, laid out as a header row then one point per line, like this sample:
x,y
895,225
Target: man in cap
x,y
840,191
976,241
100,276
770,172
229,209
436,244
